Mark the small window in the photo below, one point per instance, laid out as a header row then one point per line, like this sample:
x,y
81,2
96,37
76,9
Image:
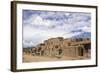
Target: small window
x,y
56,46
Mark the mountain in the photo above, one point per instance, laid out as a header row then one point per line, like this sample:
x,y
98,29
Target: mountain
x,y
83,35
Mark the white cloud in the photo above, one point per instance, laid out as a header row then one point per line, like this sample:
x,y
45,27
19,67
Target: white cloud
x,y
86,29
67,14
35,36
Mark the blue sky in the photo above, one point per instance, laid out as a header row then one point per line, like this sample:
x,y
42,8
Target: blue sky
x,y
42,25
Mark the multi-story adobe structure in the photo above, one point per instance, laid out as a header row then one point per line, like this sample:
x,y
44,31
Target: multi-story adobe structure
x,y
58,47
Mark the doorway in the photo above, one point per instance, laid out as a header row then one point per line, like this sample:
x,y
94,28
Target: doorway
x,y
81,51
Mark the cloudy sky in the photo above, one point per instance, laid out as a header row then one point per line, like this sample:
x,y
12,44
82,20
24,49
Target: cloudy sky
x,y
42,25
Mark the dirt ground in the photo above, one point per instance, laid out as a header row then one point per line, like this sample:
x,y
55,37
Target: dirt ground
x,y
30,58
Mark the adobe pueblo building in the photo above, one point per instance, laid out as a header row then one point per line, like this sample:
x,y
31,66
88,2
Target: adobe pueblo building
x,y
59,47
